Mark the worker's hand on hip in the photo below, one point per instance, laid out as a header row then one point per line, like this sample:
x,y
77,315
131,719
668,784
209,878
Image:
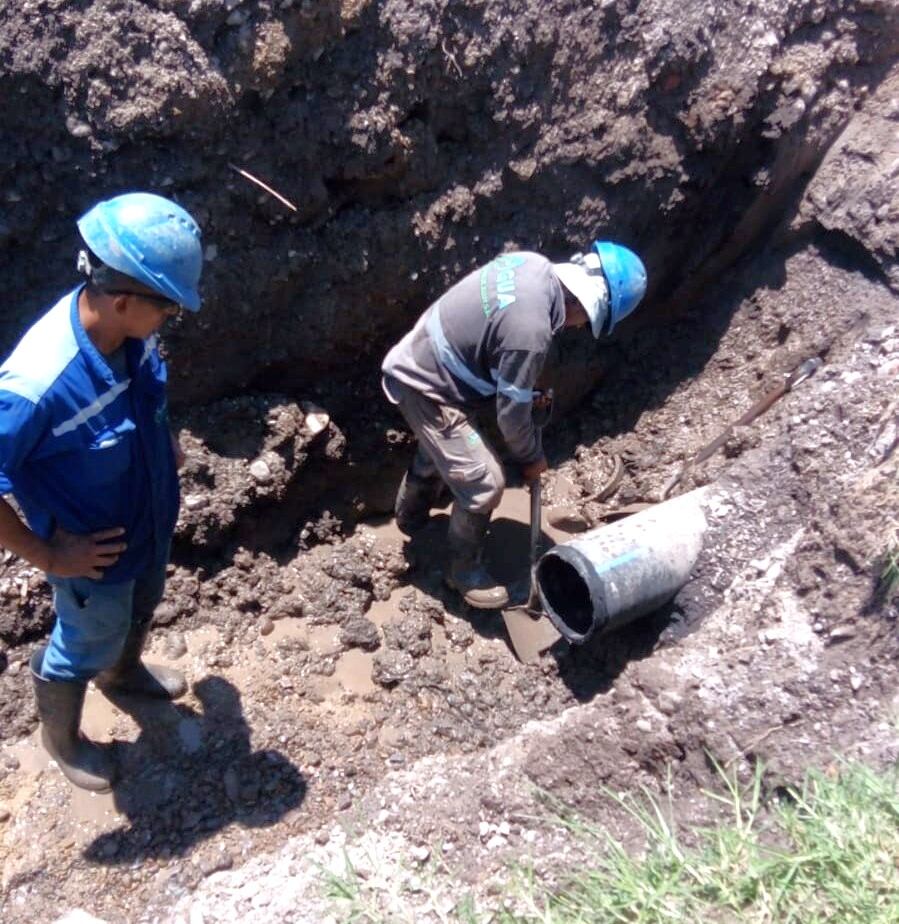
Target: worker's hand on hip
x,y
533,470
73,556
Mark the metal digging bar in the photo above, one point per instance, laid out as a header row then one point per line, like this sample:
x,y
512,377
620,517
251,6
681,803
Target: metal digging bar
x,y
797,376
530,632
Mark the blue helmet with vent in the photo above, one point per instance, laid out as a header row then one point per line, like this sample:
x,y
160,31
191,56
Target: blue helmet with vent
x,y
626,277
151,239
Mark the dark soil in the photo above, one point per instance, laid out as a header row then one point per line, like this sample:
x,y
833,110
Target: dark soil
x,y
748,152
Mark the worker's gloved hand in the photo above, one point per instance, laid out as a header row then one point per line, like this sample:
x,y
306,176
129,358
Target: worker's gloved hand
x,y
533,470
72,556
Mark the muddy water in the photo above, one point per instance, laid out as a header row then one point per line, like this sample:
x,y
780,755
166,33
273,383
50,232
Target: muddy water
x,y
509,539
344,694
100,722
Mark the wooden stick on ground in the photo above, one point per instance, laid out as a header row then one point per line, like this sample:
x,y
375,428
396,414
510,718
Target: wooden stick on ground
x,y
268,189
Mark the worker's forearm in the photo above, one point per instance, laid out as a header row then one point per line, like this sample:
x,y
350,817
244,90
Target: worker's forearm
x,y
517,427
18,538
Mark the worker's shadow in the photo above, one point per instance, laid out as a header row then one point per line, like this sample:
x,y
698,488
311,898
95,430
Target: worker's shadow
x,y
189,775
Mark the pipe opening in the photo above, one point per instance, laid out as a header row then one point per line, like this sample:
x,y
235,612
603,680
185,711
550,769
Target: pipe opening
x,y
566,596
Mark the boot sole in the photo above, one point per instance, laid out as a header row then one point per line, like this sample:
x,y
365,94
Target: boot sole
x,y
102,785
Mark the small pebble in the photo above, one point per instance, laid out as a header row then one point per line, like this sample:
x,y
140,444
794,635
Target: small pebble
x,y
669,702
215,863
177,646
420,854
260,471
842,633
266,626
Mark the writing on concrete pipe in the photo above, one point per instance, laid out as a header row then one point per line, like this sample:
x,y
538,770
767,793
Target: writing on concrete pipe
x,y
615,574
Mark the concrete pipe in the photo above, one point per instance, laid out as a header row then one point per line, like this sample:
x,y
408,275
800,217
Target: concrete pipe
x,y
614,574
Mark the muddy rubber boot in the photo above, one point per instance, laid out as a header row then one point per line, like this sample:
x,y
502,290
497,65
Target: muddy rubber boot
x,y
414,499
467,574
59,706
130,675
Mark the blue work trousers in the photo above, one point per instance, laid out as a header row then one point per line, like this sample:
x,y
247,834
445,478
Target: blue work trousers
x,y
93,620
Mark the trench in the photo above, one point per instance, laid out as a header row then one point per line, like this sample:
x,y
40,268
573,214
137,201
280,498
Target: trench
x,y
324,652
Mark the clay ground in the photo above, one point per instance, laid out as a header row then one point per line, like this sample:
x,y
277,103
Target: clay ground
x,y
332,721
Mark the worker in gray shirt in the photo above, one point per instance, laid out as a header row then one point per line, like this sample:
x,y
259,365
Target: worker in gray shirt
x,y
486,339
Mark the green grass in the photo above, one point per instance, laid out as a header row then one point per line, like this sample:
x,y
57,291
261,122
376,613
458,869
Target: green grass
x,y
889,576
836,861
826,853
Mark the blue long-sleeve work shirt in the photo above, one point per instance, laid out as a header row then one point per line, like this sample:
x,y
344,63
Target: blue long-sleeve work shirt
x,y
84,447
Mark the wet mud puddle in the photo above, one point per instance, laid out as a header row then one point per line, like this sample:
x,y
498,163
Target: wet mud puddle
x,y
341,694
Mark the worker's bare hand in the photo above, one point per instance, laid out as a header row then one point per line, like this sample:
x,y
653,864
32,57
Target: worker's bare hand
x,y
533,470
84,556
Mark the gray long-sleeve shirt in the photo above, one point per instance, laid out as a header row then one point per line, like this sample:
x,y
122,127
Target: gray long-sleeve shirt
x,y
488,335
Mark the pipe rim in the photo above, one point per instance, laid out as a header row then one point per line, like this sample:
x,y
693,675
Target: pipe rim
x,y
578,561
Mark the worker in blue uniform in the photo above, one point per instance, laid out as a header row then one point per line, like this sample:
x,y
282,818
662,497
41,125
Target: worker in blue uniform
x,y
87,453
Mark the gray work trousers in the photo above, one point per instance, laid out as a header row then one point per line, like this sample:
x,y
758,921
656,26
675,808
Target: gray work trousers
x,y
449,446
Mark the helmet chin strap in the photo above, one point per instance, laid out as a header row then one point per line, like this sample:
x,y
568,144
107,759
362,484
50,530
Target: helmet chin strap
x,y
83,264
111,281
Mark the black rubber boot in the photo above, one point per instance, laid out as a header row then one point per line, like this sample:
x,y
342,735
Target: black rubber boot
x,y
59,705
414,499
467,574
130,675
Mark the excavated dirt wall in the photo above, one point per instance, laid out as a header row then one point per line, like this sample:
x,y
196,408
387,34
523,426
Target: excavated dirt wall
x,y
416,140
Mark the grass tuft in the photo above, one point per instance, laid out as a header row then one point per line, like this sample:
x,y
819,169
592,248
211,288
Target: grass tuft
x,y
835,860
825,853
889,576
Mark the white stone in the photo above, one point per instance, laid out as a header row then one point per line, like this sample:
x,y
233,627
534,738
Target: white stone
x,y
77,916
260,471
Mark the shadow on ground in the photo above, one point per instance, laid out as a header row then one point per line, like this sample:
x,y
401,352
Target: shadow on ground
x,y
189,774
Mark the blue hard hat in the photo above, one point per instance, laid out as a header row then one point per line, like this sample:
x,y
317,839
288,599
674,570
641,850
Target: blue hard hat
x,y
151,239
626,276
